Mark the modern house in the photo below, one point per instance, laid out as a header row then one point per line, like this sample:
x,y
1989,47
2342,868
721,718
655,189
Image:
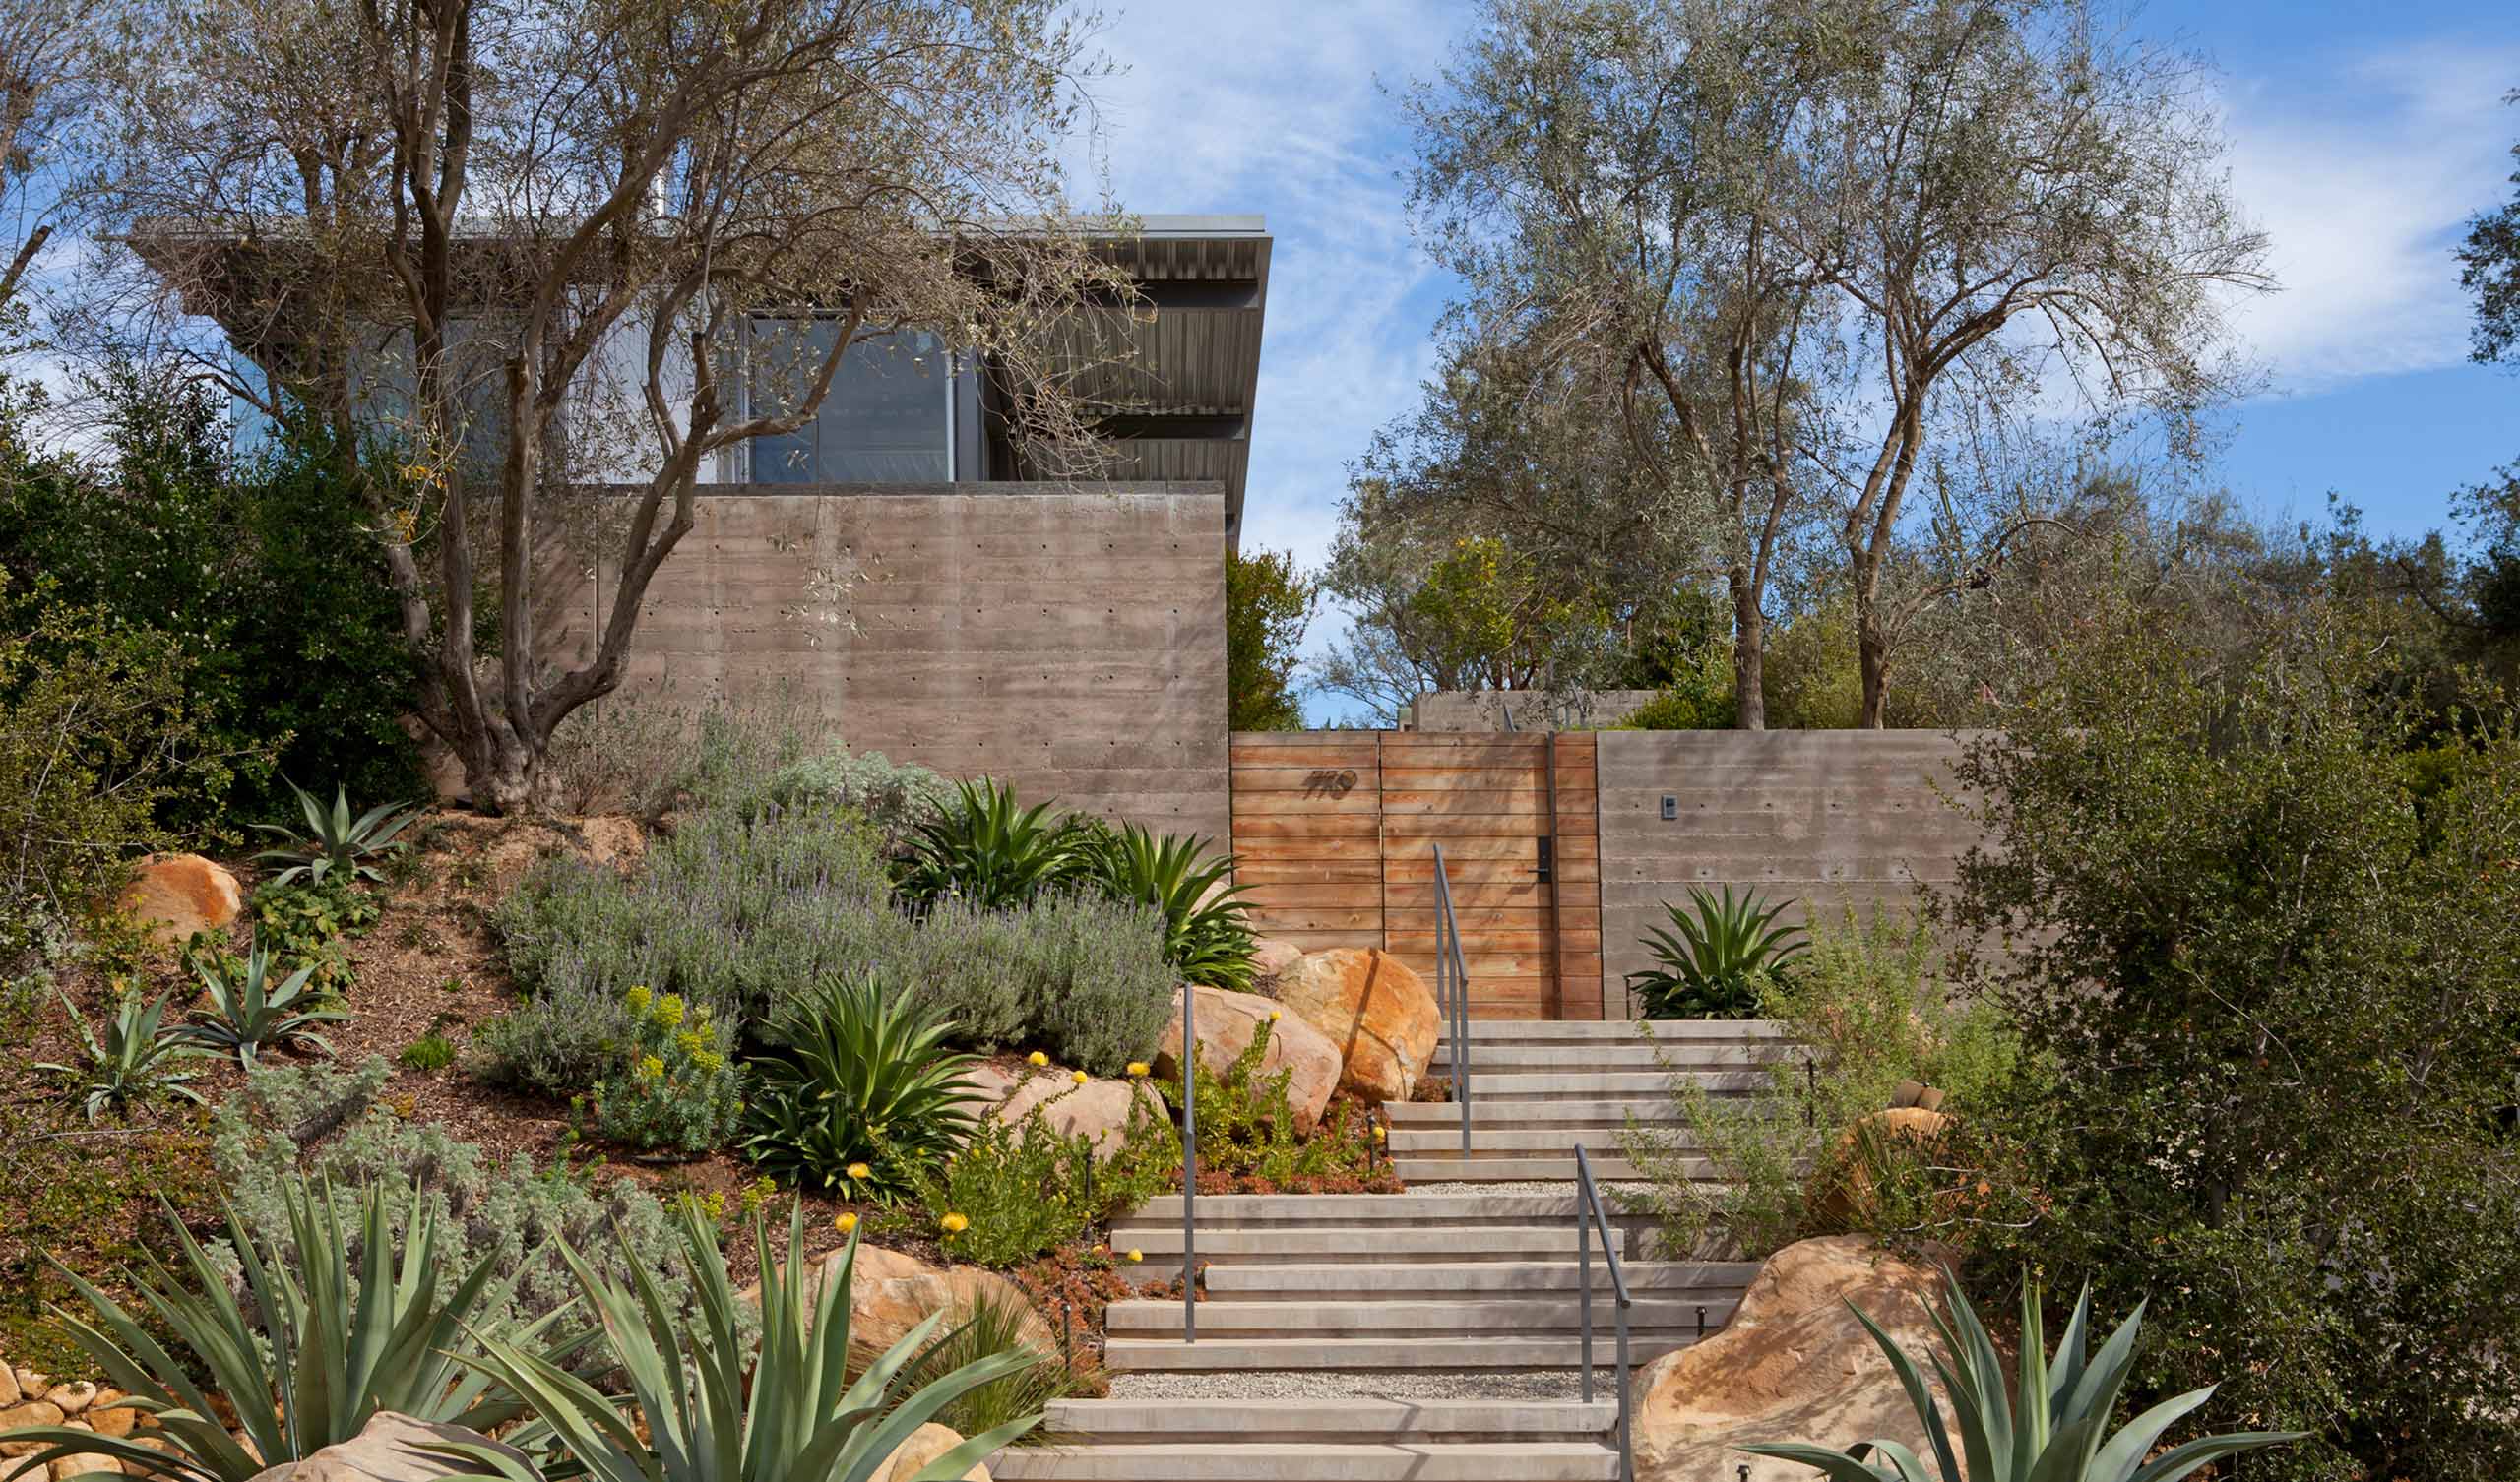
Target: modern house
x,y
899,563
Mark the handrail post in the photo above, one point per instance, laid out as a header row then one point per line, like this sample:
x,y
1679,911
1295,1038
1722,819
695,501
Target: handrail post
x,y
1452,973
1589,1209
1189,1169
1584,1288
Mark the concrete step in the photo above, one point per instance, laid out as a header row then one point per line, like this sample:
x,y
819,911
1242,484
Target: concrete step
x,y
1313,1462
1615,1055
1523,1142
1379,1245
1176,1422
1137,1355
1608,1168
1692,1281
1609,1110
1229,1211
1582,1030
1600,1086
1487,1318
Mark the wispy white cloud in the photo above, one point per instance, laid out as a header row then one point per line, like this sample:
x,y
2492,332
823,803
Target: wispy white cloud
x,y
2362,172
1277,108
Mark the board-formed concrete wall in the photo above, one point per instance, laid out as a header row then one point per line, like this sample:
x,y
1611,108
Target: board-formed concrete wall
x,y
1066,637
1832,818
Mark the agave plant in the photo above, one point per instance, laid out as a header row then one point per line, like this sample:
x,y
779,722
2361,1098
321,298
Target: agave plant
x,y
138,1056
2054,1427
1206,933
1710,958
861,1082
247,1012
700,1407
316,1359
334,840
987,850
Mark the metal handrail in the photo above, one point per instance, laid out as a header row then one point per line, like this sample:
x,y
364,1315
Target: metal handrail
x,y
1452,993
1189,1170
1588,1217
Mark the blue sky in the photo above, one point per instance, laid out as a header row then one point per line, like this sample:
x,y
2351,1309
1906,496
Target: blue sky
x,y
2362,135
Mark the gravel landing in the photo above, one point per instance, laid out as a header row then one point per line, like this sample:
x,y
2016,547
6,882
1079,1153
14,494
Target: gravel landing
x,y
1337,1385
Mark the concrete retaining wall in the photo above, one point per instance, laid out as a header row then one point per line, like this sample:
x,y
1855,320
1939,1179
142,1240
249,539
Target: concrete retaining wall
x,y
1066,637
1833,819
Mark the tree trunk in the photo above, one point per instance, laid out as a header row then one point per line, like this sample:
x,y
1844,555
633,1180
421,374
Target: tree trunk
x,y
502,770
1749,656
1873,650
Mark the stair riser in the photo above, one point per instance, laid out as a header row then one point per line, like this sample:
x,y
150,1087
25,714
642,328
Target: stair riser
x,y
1399,1319
1524,1171
1640,1057
1308,1464
1192,1422
1580,1031
1405,1355
1679,1281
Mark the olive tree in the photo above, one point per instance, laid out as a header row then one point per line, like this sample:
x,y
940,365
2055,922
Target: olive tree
x,y
531,249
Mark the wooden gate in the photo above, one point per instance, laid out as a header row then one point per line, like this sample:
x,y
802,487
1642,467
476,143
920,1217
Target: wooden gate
x,y
1336,830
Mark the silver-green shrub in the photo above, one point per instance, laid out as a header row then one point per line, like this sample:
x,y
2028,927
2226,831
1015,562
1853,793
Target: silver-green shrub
x,y
894,796
327,1120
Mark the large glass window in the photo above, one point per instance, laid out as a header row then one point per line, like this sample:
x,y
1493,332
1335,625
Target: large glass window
x,y
888,418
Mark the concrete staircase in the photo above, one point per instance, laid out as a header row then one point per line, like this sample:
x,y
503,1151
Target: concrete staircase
x,y
1427,1336
1537,1089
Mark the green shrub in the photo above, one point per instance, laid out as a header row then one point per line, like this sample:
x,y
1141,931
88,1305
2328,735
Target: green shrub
x,y
2274,978
1089,978
1025,1188
992,1323
678,1086
138,1056
1207,933
509,1211
1868,1010
307,920
1715,959
898,798
1245,1130
255,575
988,851
432,1051
860,1093
334,845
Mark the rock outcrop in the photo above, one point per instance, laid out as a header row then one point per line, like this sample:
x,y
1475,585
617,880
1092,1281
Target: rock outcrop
x,y
391,1447
1099,1108
1227,1022
923,1445
179,894
1793,1365
891,1293
1381,1016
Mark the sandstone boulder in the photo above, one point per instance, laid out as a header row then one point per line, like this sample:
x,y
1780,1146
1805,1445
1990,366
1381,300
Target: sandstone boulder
x,y
1381,1017
74,1397
893,1293
111,1415
179,894
9,1393
1793,1365
27,1414
923,1445
83,1464
1272,959
1227,1022
1098,1109
1844,1182
392,1447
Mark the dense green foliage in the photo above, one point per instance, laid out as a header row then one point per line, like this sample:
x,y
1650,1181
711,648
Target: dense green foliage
x,y
506,1211
1246,1132
2052,1426
992,1323
706,1406
1714,958
1206,933
2260,922
1268,604
255,575
307,921
860,1095
1024,1187
897,798
1865,1010
334,842
332,1348
988,849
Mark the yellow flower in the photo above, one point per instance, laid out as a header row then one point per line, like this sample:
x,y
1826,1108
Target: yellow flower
x,y
689,1041
669,1010
1137,1067
1378,1133
860,1172
708,1061
954,1224
649,1067
846,1224
1273,1015
1137,1254
637,999
1036,1059
1080,1078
